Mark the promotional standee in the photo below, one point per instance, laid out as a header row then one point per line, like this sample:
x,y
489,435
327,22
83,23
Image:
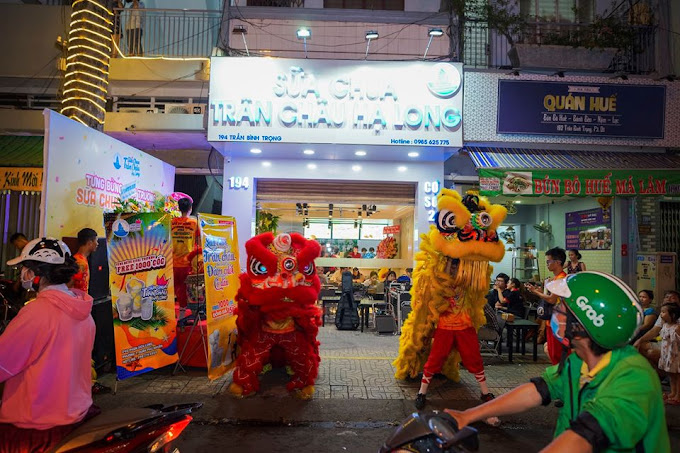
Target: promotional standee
x,y
278,319
219,243
142,296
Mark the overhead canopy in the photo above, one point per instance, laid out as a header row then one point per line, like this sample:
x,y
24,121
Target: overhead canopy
x,y
21,151
531,172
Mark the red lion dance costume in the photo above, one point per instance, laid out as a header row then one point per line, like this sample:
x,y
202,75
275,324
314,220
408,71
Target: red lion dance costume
x,y
277,312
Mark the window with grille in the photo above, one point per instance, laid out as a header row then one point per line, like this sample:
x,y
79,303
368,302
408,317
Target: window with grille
x,y
668,237
395,5
562,11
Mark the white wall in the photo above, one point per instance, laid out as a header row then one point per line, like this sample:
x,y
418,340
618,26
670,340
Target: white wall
x,y
240,203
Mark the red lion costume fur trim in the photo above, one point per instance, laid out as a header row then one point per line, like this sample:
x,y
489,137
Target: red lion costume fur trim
x,y
277,312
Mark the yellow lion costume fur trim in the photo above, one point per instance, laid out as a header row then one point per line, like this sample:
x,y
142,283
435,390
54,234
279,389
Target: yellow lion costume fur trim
x,y
458,234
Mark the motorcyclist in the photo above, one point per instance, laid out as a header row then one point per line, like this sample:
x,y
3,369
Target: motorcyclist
x,y
610,396
45,353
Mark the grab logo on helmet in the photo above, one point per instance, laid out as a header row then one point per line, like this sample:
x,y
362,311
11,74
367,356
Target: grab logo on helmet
x,y
582,302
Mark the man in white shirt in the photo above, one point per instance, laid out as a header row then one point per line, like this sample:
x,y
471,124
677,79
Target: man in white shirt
x,y
134,27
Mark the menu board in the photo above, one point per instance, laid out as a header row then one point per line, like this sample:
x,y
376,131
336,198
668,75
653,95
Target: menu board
x,y
345,231
372,231
318,230
588,230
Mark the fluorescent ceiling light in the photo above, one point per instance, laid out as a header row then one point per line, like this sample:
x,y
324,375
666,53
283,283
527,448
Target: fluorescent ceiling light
x,y
311,166
304,33
256,151
436,32
308,152
413,154
360,153
356,167
402,168
372,34
518,202
266,163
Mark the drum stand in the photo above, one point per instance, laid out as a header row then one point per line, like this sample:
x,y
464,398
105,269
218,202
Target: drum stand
x,y
197,315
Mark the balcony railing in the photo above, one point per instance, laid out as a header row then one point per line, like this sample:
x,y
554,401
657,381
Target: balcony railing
x,y
485,48
167,32
195,33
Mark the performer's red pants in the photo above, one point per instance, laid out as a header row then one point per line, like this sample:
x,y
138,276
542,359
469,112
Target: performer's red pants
x,y
467,344
299,353
181,274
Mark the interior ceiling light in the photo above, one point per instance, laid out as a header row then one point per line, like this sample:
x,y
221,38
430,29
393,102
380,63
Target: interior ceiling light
x,y
356,167
360,153
402,168
518,202
256,151
413,154
308,152
266,163
311,166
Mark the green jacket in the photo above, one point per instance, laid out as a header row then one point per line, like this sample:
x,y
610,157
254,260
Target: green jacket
x,y
624,398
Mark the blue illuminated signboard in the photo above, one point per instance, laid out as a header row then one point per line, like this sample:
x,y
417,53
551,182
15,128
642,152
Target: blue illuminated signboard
x,y
582,109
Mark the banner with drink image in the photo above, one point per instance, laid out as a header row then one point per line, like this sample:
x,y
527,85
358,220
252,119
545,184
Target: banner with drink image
x,y
219,242
143,299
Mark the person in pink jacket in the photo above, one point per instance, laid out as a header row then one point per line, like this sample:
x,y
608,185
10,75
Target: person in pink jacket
x,y
45,353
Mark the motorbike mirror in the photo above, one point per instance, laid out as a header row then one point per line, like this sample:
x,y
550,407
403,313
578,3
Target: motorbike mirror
x,y
442,430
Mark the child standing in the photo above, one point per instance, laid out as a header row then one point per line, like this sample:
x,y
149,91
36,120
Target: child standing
x,y
670,350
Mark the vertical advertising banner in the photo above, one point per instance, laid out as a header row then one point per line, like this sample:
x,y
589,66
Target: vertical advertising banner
x,y
219,241
140,263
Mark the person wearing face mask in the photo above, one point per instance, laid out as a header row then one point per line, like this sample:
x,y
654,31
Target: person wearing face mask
x,y
45,353
611,399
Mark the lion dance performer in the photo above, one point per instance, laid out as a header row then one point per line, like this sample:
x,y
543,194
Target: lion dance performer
x,y
447,298
277,312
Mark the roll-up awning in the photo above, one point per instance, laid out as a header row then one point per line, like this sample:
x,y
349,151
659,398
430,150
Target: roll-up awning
x,y
532,172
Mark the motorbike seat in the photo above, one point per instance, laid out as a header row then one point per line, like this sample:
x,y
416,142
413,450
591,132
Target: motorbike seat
x,y
99,426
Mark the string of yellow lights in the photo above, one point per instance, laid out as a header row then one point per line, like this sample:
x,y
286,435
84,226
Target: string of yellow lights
x,y
69,82
82,90
126,57
73,73
85,112
79,98
92,49
82,20
99,16
75,30
99,60
73,38
73,63
76,2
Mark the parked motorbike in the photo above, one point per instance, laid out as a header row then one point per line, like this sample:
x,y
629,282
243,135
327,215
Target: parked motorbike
x,y
152,429
431,432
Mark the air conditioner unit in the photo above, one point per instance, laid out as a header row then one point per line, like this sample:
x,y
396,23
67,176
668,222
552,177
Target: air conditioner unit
x,y
137,110
185,109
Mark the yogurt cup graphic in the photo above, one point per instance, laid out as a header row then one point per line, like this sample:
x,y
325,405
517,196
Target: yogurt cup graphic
x,y
124,307
134,289
147,308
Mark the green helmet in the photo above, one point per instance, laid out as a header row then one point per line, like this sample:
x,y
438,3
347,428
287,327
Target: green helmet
x,y
606,307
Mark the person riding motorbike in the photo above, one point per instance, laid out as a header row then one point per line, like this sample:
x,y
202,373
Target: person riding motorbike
x,y
45,354
609,396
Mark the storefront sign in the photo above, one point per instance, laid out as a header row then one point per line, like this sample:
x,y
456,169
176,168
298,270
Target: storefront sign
x,y
588,230
21,178
280,100
431,189
87,172
394,229
579,183
143,297
583,109
219,241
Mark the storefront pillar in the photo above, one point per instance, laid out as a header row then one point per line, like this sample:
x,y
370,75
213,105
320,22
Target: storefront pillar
x,y
624,240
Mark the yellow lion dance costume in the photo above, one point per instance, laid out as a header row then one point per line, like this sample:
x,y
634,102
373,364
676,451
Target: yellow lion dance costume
x,y
465,229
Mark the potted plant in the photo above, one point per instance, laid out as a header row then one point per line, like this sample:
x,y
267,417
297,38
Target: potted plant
x,y
266,222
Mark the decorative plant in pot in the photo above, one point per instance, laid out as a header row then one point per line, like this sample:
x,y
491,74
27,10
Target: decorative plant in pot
x,y
586,46
266,222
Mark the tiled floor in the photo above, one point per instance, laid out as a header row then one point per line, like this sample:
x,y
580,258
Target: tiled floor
x,y
354,365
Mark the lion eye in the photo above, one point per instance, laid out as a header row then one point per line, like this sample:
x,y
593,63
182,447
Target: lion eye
x,y
257,268
484,220
446,221
308,269
289,264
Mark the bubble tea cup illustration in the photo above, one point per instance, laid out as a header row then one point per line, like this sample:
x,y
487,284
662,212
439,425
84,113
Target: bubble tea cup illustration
x,y
134,289
147,308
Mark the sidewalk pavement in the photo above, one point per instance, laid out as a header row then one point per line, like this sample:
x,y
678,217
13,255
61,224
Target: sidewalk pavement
x,y
356,383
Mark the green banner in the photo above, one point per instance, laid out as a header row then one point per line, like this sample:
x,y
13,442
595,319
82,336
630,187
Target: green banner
x,y
578,183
